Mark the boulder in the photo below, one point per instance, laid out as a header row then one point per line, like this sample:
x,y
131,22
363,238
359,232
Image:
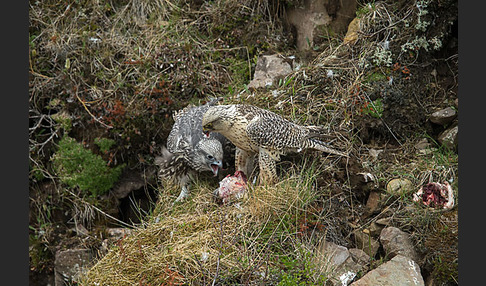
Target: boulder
x,y
448,138
71,263
443,116
268,69
399,271
397,242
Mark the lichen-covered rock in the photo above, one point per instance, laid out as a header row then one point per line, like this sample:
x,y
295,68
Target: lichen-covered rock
x,y
71,263
448,138
399,186
443,116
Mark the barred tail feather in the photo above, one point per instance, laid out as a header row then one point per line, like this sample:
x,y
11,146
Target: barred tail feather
x,y
321,146
318,132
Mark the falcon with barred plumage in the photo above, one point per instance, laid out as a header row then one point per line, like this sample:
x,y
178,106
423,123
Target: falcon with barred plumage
x,y
256,131
189,151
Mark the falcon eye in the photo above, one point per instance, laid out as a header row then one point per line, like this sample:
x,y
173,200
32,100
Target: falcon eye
x,y
210,157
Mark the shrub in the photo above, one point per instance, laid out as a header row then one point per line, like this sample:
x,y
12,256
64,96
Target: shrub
x,y
77,166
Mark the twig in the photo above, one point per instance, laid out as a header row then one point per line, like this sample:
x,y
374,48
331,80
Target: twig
x,y
94,117
100,211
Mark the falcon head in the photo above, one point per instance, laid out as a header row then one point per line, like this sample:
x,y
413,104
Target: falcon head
x,y
218,118
208,155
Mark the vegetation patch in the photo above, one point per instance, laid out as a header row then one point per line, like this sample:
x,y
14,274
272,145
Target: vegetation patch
x,y
77,166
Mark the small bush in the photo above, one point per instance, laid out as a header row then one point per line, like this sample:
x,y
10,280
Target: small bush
x,y
79,167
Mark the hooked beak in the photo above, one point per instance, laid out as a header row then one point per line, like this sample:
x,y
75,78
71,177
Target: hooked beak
x,y
206,132
215,167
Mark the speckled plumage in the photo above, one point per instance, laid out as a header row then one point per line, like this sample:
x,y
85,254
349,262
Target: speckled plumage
x,y
254,130
188,150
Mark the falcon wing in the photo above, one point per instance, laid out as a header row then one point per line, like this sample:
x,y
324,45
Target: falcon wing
x,y
275,133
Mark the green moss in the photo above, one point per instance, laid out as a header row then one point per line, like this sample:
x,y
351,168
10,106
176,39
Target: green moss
x,y
77,166
104,143
375,76
299,270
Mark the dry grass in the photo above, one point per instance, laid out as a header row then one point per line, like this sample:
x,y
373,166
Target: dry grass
x,y
198,242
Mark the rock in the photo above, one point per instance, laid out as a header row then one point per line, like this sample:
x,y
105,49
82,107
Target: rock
x,y
69,264
399,271
443,116
360,257
374,153
129,181
342,265
373,204
397,242
375,229
365,242
352,33
398,187
448,138
317,19
268,69
334,254
423,147
384,221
